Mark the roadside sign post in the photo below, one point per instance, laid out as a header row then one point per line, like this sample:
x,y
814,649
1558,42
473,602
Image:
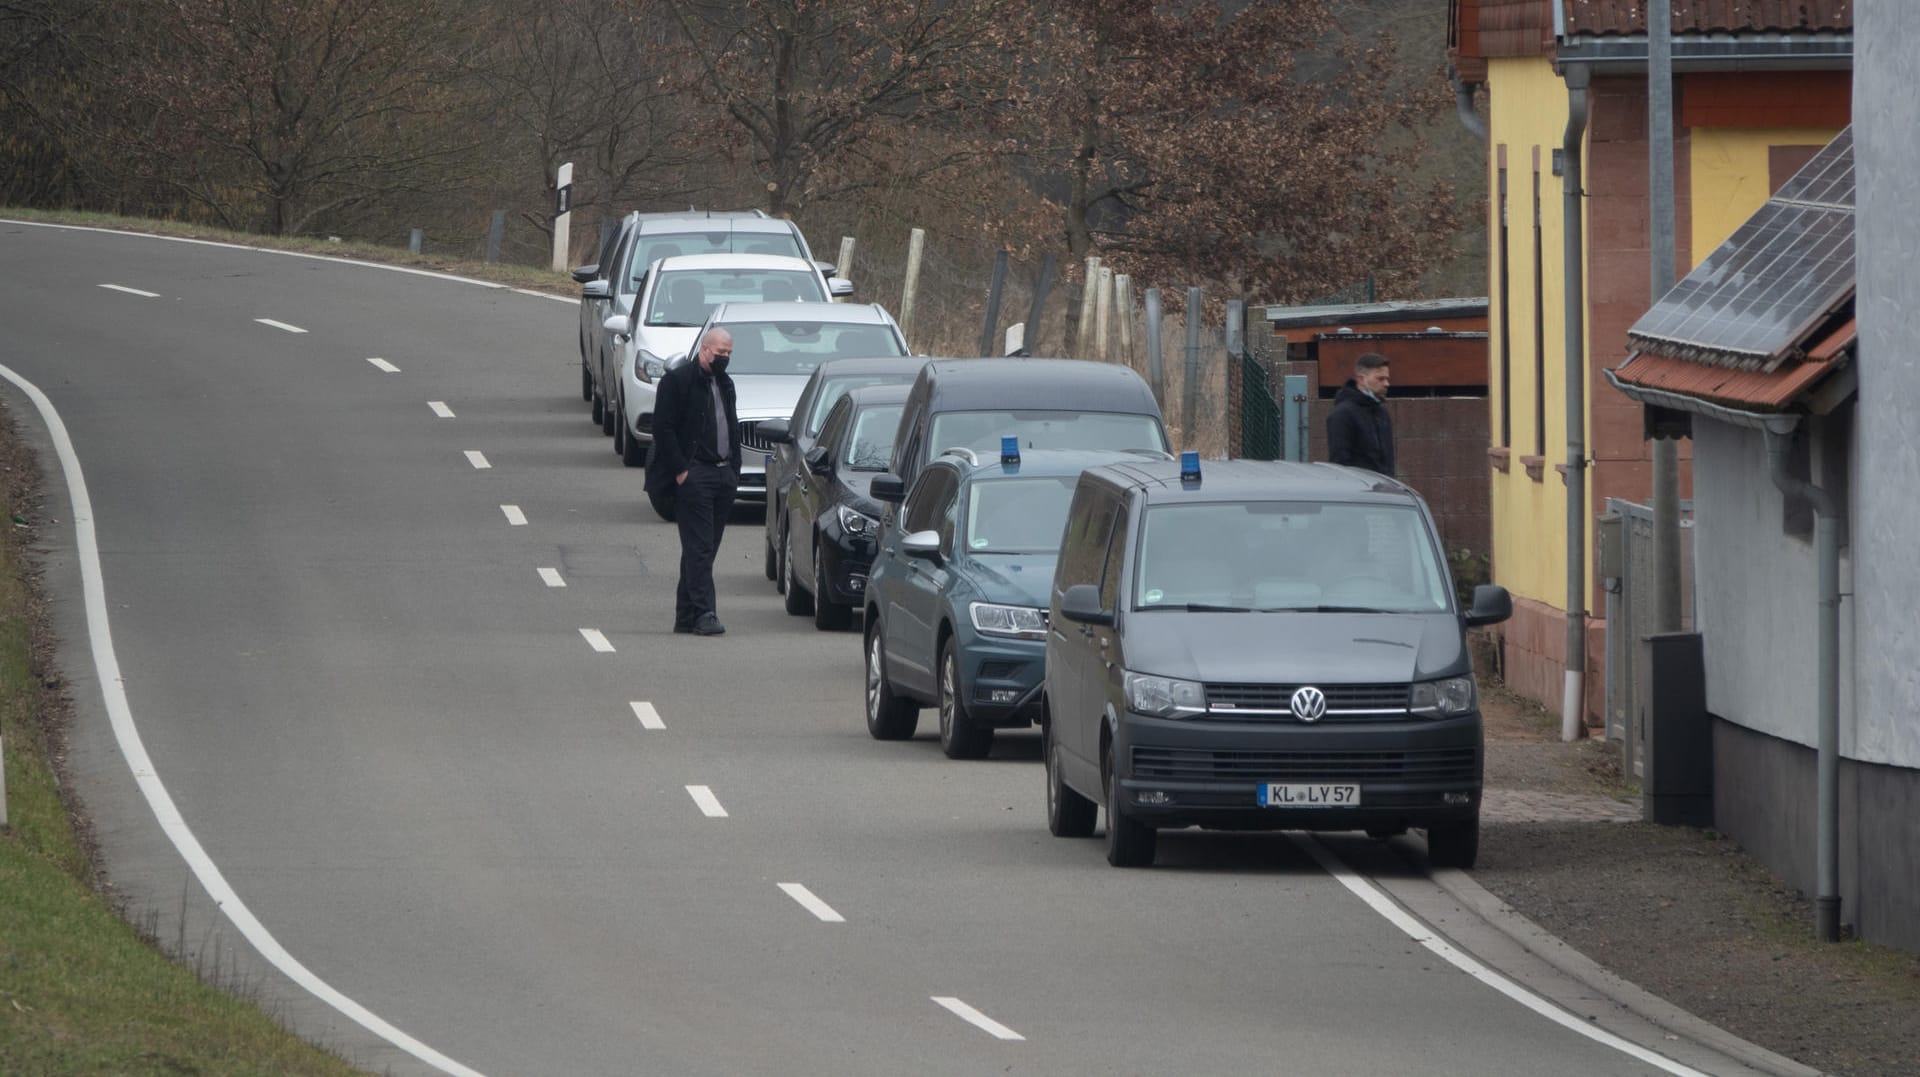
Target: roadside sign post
x,y
562,215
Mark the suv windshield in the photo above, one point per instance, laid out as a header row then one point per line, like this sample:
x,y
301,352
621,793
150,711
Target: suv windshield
x,y
872,444
798,347
658,245
1288,556
685,297
1018,515
981,430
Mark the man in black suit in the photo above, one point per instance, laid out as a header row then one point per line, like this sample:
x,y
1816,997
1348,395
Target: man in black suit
x,y
695,464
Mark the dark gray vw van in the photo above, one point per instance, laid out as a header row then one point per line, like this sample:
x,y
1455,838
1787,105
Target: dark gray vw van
x,y
1259,646
1046,403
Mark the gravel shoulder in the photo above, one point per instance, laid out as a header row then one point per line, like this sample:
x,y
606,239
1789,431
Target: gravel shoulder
x,y
1683,913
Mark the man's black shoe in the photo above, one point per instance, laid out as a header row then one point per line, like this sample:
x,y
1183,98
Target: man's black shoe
x,y
709,625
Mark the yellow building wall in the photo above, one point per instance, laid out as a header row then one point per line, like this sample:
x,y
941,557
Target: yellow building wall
x,y
1528,108
1731,176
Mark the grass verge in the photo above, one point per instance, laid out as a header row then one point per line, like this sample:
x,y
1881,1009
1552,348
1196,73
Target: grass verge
x,y
81,990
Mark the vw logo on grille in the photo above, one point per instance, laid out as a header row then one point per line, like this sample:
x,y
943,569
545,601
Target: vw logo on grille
x,y
1308,704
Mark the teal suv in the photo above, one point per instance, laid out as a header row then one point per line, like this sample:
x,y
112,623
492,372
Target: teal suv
x,y
956,600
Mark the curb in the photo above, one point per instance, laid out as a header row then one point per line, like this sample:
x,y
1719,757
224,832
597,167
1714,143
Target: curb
x,y
1572,963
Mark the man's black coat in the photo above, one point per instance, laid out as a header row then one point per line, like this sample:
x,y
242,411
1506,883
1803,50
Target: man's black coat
x,y
683,425
1359,431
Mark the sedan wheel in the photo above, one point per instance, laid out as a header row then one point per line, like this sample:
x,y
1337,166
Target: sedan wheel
x,y
799,602
889,717
960,737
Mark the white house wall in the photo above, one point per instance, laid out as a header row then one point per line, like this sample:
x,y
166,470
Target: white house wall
x,y
1887,512
1756,590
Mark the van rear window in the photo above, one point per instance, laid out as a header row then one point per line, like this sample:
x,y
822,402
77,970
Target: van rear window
x,y
981,431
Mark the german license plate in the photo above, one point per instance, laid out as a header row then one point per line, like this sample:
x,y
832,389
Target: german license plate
x,y
1274,795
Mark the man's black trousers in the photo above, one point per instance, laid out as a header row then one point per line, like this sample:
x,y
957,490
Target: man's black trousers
x,y
704,502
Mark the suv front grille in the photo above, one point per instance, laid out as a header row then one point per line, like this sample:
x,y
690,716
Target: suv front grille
x,y
750,437
1345,702
1416,765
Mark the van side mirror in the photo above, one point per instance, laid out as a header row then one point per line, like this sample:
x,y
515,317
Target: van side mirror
x,y
1491,605
820,460
1082,603
888,487
776,430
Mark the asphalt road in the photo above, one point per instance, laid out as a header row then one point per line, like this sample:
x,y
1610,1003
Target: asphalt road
x,y
393,739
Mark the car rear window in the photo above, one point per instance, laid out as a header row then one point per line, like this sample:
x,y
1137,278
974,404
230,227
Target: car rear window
x,y
981,431
798,347
685,297
660,245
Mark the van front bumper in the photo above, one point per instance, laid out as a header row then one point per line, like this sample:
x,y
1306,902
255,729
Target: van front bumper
x,y
1410,773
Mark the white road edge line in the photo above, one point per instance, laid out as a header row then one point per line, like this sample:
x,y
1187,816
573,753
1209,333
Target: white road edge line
x,y
280,325
478,459
382,365
131,291
977,1019
551,577
120,713
597,641
1426,937
649,718
515,518
709,804
440,408
812,904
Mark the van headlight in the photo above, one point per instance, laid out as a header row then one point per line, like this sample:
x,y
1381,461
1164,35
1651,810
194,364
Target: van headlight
x,y
1442,698
1016,622
1165,697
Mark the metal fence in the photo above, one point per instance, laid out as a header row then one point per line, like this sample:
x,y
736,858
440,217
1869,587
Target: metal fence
x,y
1626,567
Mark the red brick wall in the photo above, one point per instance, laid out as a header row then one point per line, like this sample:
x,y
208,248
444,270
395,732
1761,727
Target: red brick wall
x,y
1531,649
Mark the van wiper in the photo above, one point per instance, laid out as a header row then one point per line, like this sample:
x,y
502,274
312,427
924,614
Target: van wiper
x,y
1324,609
675,325
1202,607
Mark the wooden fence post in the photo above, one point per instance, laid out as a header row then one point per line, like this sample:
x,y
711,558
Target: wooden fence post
x,y
1084,331
916,246
994,286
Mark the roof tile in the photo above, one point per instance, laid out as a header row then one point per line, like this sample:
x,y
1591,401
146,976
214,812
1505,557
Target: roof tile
x,y
1600,18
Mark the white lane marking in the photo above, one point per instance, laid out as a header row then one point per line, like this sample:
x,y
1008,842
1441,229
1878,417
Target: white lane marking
x,y
977,1019
597,641
1426,937
120,713
515,518
709,804
280,325
812,904
440,408
131,291
382,365
478,459
649,718
551,577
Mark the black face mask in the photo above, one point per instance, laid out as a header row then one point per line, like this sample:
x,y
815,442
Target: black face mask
x,y
718,364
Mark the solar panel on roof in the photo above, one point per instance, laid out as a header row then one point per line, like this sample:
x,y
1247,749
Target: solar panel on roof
x,y
1753,299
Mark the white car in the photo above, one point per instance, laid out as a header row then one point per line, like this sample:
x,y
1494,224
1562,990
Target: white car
x,y
674,300
776,346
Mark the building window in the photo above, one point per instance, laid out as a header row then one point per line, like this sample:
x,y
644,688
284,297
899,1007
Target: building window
x,y
1539,324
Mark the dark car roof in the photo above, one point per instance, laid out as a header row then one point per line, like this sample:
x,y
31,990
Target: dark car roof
x,y
868,395
885,364
1255,480
1085,385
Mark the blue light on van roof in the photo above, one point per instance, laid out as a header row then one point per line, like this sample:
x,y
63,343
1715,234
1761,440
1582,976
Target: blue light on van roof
x,y
1190,468
1009,449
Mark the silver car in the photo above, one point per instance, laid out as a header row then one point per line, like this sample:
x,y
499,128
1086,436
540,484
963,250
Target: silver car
x,y
776,347
676,296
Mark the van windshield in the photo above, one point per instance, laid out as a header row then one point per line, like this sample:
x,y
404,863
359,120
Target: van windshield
x,y
981,430
1277,555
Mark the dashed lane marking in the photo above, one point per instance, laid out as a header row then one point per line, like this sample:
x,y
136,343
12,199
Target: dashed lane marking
x,y
382,365
280,325
515,518
649,718
478,459
440,408
709,804
977,1019
597,641
131,291
812,904
551,577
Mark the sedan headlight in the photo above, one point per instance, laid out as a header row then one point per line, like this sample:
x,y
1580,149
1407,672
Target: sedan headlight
x,y
856,523
1443,698
1165,697
1017,622
649,366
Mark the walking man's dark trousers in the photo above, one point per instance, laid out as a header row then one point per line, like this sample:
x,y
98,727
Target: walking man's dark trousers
x,y
705,500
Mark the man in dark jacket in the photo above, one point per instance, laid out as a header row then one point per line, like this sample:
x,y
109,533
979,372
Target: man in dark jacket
x,y
695,464
1359,431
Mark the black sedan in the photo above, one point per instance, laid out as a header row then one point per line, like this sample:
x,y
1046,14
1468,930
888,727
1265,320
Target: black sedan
x,y
830,525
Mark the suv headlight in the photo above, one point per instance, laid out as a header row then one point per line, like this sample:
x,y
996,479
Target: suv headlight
x,y
856,523
1443,698
649,366
1018,622
1165,697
